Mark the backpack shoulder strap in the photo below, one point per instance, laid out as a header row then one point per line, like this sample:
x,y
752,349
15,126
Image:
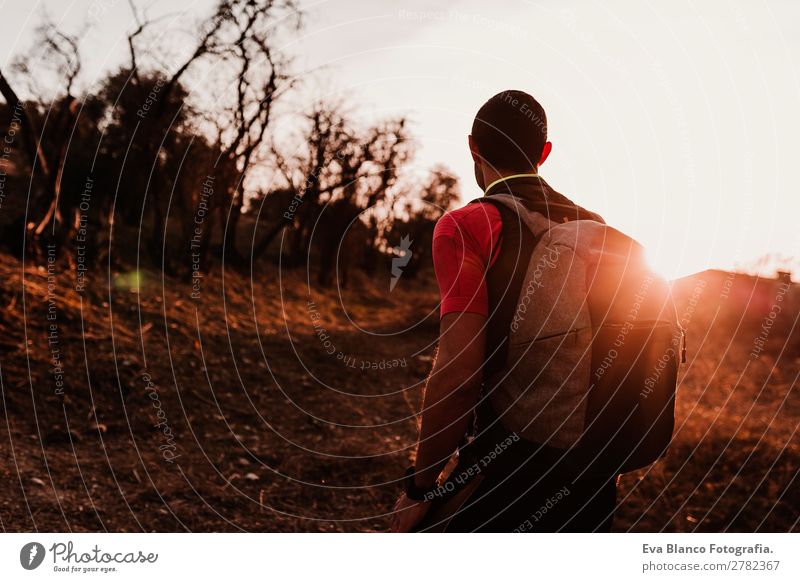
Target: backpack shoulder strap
x,y
504,280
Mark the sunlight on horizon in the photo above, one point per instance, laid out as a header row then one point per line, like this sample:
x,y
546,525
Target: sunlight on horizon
x,y
676,122
680,131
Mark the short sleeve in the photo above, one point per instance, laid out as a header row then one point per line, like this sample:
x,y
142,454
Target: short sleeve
x,y
465,242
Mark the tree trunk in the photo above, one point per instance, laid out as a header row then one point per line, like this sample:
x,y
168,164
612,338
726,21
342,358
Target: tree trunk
x,y
229,250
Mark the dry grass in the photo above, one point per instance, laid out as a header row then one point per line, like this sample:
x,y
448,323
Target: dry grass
x,y
276,434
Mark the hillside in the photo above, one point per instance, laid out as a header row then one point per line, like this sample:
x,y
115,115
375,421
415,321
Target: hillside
x,y
136,407
259,427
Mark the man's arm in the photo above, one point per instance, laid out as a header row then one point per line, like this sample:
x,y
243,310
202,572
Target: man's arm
x,y
452,391
463,244
451,394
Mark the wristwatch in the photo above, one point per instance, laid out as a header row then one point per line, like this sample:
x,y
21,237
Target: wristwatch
x,y
413,492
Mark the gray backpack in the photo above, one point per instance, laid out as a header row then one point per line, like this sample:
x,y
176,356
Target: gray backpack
x,y
583,342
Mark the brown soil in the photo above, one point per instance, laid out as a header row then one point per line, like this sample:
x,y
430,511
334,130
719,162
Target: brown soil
x,y
276,424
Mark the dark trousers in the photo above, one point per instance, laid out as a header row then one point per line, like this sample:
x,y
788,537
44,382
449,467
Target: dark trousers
x,y
529,503
528,488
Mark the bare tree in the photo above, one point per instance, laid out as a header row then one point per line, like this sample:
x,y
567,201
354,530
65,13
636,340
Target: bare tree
x,y
240,37
338,175
262,77
309,173
59,53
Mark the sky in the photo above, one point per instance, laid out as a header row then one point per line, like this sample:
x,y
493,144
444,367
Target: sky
x,y
677,121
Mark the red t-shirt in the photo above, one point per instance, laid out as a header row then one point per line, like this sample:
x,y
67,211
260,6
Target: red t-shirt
x,y
465,244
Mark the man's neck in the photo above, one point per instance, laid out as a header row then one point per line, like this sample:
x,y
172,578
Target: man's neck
x,y
492,177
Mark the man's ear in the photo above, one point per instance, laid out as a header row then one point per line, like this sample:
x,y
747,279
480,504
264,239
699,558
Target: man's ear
x,y
473,149
548,147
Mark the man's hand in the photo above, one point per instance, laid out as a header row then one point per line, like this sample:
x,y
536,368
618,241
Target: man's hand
x,y
408,513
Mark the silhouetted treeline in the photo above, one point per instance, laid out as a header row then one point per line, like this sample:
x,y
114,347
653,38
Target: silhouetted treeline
x,y
180,165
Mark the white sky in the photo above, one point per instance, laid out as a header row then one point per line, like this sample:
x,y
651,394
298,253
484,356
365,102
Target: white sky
x,y
678,121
